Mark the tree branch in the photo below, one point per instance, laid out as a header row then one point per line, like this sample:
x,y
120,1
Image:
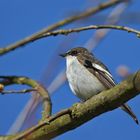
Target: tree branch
x,y
23,91
59,24
80,113
10,80
68,31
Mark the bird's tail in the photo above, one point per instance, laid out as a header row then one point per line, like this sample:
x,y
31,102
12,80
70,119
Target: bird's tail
x,y
128,110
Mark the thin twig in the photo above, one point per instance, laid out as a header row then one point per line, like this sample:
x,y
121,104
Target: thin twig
x,y
23,91
116,27
59,24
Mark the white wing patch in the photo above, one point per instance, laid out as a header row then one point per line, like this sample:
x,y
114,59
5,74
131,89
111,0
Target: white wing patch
x,y
103,70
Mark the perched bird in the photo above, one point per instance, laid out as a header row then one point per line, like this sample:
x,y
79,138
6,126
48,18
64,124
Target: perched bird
x,y
87,76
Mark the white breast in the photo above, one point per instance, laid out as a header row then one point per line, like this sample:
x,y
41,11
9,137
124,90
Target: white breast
x,y
83,83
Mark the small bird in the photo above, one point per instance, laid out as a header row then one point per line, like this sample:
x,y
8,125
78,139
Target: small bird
x,y
87,76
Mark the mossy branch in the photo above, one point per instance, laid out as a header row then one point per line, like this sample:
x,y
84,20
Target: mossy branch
x,y
37,87
80,113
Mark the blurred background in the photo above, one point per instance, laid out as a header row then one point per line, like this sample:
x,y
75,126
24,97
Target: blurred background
x,y
40,60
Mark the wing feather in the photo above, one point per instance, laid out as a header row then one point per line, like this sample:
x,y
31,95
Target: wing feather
x,y
102,73
104,76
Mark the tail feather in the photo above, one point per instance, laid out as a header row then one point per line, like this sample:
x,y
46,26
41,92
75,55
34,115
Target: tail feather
x,y
128,110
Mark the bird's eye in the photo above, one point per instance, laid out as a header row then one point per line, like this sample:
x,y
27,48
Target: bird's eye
x,y
73,52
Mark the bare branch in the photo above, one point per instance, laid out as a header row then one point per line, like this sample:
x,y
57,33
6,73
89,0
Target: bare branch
x,y
23,91
59,24
116,27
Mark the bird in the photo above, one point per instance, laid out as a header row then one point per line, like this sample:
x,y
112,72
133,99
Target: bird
x,y
87,76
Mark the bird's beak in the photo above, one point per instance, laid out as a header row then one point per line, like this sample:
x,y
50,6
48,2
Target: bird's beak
x,y
63,55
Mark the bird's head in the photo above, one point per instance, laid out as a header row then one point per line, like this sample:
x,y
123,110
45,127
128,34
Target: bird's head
x,y
79,51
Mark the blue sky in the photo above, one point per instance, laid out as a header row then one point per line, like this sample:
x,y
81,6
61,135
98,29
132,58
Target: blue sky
x,y
20,18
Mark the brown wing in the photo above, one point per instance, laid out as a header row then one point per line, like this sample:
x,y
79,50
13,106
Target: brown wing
x,y
105,79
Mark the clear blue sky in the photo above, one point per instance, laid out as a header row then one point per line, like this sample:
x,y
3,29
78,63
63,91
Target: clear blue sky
x,y
20,18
